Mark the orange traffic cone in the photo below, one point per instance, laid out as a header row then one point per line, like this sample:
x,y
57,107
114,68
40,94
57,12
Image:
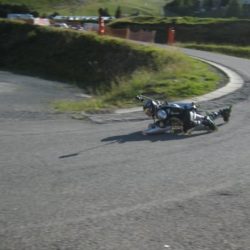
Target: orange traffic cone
x,y
101,30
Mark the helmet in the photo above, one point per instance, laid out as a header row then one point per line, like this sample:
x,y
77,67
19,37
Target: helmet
x,y
149,108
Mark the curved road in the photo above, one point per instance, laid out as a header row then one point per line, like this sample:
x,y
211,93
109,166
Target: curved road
x,y
72,185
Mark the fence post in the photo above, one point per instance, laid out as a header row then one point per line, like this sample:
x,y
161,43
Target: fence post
x,y
171,36
101,23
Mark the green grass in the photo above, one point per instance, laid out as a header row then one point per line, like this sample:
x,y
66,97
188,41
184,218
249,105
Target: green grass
x,y
90,7
187,78
233,50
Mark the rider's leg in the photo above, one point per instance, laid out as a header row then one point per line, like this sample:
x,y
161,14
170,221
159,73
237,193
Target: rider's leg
x,y
192,119
224,113
209,122
205,120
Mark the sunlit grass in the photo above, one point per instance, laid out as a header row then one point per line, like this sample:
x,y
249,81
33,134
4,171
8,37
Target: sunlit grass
x,y
188,78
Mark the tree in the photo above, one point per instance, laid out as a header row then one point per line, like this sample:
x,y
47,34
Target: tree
x,y
118,12
196,5
54,14
234,9
103,12
176,6
224,3
208,5
106,12
246,10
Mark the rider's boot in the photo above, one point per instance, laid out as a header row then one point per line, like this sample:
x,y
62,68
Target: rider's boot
x,y
225,113
208,122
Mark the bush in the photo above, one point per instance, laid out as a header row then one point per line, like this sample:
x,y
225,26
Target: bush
x,y
192,29
83,58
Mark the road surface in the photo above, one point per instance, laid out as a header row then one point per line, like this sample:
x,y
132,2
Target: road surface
x,y
71,184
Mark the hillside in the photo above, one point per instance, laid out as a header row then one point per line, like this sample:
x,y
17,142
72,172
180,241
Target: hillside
x,y
90,7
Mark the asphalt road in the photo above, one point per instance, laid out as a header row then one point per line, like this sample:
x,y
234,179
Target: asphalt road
x,y
75,185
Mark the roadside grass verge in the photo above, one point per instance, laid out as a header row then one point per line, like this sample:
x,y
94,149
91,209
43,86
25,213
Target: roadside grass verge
x,y
111,70
187,78
233,50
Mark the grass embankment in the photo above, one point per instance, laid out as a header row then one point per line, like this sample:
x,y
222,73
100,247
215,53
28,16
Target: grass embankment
x,y
179,79
86,7
239,51
113,70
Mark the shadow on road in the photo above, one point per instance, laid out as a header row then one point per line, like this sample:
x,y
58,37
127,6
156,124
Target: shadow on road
x,y
138,136
85,150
